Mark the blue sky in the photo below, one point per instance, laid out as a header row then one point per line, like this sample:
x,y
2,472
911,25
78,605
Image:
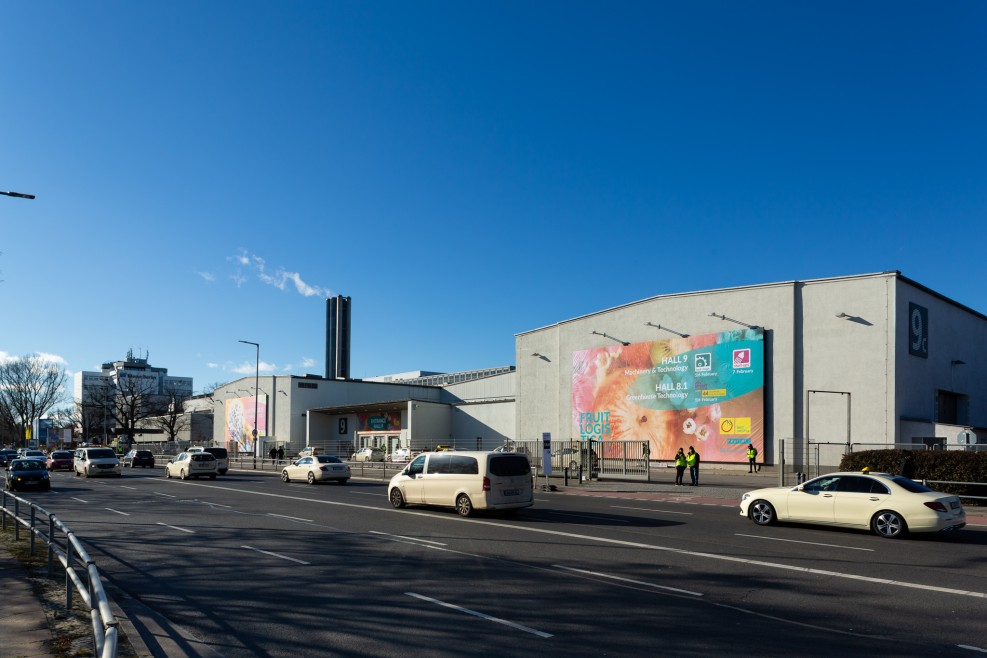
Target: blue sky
x,y
210,171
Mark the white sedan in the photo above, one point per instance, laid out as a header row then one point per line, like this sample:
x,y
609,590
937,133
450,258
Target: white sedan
x,y
317,468
888,505
369,455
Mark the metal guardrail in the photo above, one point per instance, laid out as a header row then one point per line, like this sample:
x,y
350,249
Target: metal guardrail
x,y
970,484
81,574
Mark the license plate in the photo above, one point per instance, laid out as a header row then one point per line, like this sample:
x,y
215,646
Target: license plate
x,y
512,492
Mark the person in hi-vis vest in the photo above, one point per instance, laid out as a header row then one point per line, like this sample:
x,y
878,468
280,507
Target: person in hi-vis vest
x,y
752,458
692,460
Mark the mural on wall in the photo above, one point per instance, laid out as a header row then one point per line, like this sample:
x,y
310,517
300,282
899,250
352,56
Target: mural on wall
x,y
240,422
383,421
703,391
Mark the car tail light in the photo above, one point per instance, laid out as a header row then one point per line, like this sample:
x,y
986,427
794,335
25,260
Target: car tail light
x,y
324,469
486,483
937,506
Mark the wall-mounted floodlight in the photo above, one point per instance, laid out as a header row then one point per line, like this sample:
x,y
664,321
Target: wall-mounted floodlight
x,y
540,356
744,324
622,342
671,331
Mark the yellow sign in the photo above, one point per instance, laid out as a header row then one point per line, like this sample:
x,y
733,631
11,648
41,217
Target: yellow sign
x,y
735,426
714,393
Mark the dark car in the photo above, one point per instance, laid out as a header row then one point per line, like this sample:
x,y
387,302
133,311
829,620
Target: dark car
x,y
142,458
60,460
7,455
27,473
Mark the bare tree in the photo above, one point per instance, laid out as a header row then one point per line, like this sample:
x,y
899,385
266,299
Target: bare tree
x,y
92,413
131,400
171,417
30,386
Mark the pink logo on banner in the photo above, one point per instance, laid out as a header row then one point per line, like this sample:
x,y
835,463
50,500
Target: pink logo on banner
x,y
742,358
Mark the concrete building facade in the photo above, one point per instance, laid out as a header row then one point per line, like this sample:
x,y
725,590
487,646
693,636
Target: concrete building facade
x,y
872,360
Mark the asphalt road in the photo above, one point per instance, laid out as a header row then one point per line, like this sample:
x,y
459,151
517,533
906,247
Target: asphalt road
x,y
249,566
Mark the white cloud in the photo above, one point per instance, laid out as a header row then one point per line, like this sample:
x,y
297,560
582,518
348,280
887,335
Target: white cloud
x,y
308,362
278,278
207,276
212,366
250,367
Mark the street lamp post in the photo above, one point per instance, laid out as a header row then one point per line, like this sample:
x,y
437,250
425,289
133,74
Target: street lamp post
x,y
256,394
19,195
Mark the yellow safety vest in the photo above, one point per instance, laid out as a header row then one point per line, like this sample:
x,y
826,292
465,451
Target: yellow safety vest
x,y
752,453
679,459
691,459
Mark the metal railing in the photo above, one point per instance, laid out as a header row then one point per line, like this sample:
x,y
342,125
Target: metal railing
x,y
81,574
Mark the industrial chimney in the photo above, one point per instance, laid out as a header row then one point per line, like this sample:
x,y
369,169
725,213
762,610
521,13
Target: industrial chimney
x,y
338,337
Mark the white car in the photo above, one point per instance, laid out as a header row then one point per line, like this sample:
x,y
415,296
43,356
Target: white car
x,y
368,455
888,505
401,455
317,468
92,462
192,465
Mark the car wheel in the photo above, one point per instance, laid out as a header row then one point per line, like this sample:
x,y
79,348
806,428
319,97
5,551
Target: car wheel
x,y
48,487
397,500
76,473
464,505
311,478
889,525
284,476
212,477
181,475
762,512
344,480
167,473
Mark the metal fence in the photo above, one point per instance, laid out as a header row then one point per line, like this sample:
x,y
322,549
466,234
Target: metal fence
x,y
81,574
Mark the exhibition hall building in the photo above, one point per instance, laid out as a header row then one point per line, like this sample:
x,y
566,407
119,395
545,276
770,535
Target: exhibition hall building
x,y
800,370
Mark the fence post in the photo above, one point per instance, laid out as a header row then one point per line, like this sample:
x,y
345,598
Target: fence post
x,y
69,586
33,516
4,513
51,544
17,516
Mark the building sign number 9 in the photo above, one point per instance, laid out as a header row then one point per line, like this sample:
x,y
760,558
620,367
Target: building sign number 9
x,y
918,330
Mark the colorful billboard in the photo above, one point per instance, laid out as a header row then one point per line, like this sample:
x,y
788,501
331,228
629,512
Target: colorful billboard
x,y
240,421
703,391
382,421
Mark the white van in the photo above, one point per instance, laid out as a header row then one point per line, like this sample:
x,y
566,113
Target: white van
x,y
467,481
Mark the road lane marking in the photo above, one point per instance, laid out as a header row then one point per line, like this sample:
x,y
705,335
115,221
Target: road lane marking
x,y
628,580
498,620
290,518
651,509
80,500
595,517
175,527
424,541
967,646
124,486
116,511
619,542
277,555
814,543
366,493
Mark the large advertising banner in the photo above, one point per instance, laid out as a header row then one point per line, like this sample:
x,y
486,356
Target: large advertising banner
x,y
702,391
240,421
383,421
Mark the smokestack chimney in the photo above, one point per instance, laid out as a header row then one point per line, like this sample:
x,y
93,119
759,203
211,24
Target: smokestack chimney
x,y
338,337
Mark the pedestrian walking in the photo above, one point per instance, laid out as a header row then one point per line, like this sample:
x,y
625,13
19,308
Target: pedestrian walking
x,y
752,458
692,461
273,453
281,453
908,465
679,467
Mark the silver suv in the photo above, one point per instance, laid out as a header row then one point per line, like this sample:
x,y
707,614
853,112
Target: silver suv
x,y
94,462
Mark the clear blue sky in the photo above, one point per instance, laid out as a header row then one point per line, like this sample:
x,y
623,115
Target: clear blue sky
x,y
210,171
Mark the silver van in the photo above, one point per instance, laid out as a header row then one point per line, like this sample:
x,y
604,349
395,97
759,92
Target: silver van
x,y
467,481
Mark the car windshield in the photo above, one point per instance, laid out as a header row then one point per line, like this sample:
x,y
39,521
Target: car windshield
x,y
27,465
142,453
202,457
61,455
325,459
104,453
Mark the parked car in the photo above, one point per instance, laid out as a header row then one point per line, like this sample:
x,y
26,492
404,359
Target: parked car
x,y
93,462
466,481
142,458
889,505
60,460
400,455
368,455
317,468
28,453
572,456
309,451
222,456
7,455
192,465
27,473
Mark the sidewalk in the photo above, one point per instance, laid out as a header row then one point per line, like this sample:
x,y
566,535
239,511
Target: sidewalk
x,y
23,623
716,487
